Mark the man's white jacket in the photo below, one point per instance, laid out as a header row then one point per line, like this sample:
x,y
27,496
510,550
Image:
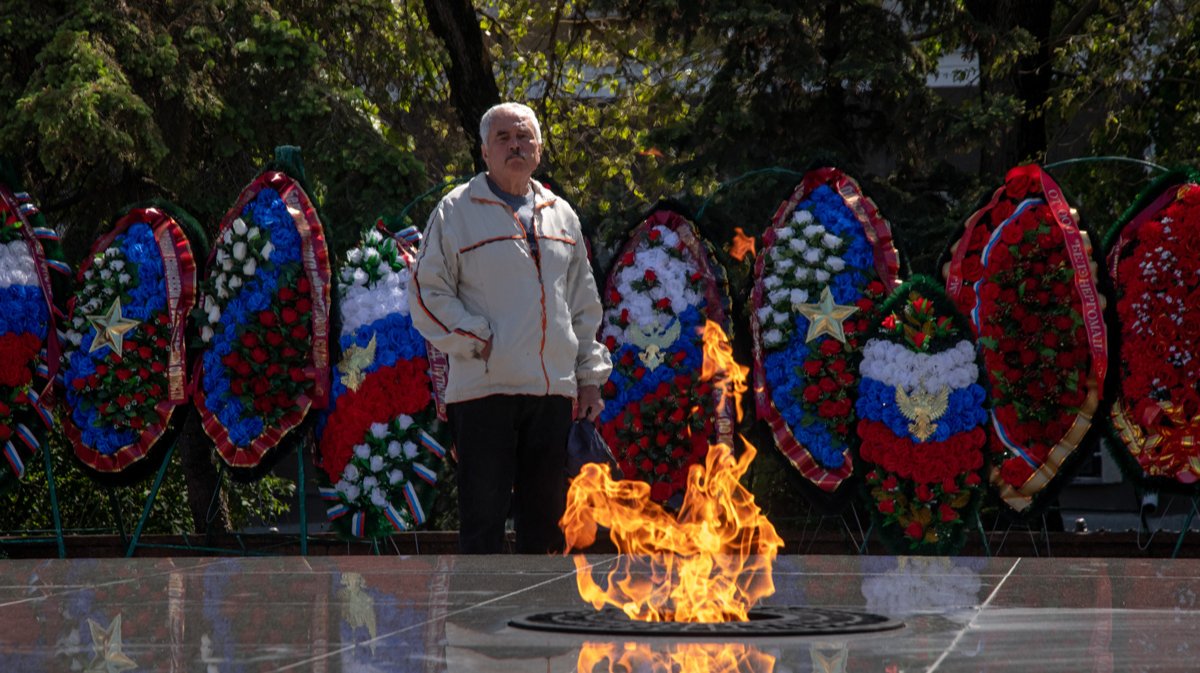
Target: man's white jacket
x,y
476,278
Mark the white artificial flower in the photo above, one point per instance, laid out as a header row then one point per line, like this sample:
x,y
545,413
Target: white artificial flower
x,y
249,267
206,334
781,317
820,275
814,230
124,278
784,265
239,251
812,255
227,264
214,313
377,498
801,216
763,314
779,296
772,282
798,296
235,282
395,477
227,237
352,492
410,450
105,274
773,337
373,236
830,241
354,255
798,244
376,463
239,227
360,277
362,451
267,250
350,473
118,264
253,234
783,233
835,264
379,430
370,481
404,421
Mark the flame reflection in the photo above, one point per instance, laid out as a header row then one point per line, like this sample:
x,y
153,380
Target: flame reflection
x,y
678,658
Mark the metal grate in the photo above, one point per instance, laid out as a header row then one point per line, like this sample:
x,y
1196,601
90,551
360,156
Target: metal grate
x,y
774,621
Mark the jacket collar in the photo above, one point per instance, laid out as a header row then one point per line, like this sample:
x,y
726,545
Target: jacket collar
x,y
478,190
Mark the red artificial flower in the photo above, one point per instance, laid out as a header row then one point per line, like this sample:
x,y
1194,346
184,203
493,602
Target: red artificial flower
x,y
887,506
915,530
650,277
946,513
627,259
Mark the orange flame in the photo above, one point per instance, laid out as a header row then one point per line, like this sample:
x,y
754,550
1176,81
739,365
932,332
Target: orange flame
x,y
682,657
710,563
741,244
728,377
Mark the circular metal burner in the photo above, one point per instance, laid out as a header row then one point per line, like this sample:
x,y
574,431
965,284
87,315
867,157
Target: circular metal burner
x,y
773,621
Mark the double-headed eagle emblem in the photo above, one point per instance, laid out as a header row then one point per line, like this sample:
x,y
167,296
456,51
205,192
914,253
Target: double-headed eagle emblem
x,y
653,342
922,408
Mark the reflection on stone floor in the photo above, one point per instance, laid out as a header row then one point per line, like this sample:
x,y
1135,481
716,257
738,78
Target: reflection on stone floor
x,y
432,614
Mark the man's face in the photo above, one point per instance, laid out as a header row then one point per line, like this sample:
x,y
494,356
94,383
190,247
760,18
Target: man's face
x,y
511,150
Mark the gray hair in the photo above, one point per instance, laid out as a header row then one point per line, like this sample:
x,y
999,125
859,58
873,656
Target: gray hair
x,y
485,123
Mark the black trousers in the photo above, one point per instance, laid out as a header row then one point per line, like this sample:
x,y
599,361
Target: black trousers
x,y
512,453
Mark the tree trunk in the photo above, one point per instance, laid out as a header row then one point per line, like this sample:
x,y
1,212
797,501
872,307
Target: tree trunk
x,y
1028,80
472,83
201,476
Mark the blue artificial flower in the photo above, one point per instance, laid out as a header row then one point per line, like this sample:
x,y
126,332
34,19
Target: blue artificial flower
x,y
964,410
629,390
23,311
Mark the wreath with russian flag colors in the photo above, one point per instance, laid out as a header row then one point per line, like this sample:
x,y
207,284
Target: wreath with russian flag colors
x,y
827,262
1022,269
264,324
379,439
922,422
28,340
664,298
1154,261
125,361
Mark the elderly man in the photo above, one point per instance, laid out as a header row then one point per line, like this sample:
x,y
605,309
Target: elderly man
x,y
502,285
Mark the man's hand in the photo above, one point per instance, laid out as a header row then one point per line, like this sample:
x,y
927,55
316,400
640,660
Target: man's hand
x,y
589,403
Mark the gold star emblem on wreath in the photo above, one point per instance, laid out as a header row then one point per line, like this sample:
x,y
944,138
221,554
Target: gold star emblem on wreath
x,y
825,317
111,327
106,647
354,360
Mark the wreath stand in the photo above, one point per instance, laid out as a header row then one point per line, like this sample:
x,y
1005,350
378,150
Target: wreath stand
x,y
55,513
135,542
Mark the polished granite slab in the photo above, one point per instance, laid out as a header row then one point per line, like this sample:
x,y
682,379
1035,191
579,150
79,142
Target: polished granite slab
x,y
451,613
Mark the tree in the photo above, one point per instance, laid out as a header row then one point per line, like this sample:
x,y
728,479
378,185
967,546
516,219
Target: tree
x,y
104,104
